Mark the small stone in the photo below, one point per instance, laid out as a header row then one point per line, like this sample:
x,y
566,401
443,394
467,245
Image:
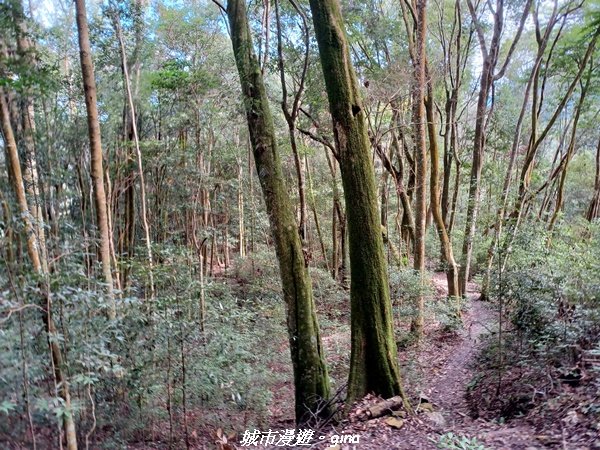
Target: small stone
x,y
437,418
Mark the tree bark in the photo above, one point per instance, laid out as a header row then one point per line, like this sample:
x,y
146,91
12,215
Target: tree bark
x,y
30,173
291,114
35,255
542,43
310,373
593,211
486,84
136,141
448,260
418,115
474,180
570,152
523,199
373,359
97,172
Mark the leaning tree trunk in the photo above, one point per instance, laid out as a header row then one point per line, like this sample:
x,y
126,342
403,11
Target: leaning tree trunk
x,y
310,373
35,254
523,199
30,175
498,226
89,88
451,267
138,152
373,360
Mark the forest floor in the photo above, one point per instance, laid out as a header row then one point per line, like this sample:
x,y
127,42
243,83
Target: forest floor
x,y
444,363
438,373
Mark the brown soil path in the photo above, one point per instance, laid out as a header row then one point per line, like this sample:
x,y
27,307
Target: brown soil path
x,y
448,387
445,364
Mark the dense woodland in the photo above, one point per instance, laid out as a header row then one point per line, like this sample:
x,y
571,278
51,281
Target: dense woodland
x,y
226,216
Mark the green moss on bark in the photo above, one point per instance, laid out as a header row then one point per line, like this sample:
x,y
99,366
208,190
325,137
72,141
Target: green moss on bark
x,y
310,371
374,364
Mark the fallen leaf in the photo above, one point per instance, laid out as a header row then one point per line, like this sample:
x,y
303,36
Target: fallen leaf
x,y
394,422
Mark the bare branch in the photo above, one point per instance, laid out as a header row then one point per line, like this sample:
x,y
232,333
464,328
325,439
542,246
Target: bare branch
x,y
221,7
478,29
515,41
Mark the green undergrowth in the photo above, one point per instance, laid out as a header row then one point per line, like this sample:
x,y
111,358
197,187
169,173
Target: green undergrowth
x,y
549,301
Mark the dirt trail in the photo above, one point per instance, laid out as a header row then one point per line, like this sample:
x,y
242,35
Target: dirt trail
x,y
447,388
445,367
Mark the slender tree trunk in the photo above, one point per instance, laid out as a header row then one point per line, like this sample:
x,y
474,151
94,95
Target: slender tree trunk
x,y
522,201
454,203
291,114
384,199
138,153
450,268
313,207
30,173
338,222
33,249
241,226
512,160
33,243
310,372
89,88
484,106
373,360
418,104
474,180
570,151
593,211
408,216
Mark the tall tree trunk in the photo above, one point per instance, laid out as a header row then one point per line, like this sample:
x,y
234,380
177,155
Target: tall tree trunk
x,y
373,359
30,174
241,226
384,199
450,268
418,104
338,221
542,43
474,185
313,207
310,372
291,114
89,88
140,167
535,141
570,152
35,254
486,84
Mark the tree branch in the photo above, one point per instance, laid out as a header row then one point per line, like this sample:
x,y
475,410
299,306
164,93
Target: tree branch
x,y
515,41
221,7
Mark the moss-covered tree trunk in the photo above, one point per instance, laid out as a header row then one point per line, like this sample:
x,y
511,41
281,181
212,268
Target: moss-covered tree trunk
x,y
373,361
310,372
447,253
